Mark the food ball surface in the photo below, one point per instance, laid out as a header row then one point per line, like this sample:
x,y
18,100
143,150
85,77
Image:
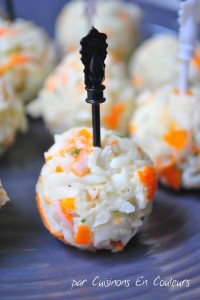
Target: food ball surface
x,y
3,196
12,116
119,20
62,104
156,63
167,126
26,57
95,198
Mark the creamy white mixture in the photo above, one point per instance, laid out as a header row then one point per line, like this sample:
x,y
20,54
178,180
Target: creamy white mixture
x,y
156,63
26,56
12,115
167,126
95,198
62,100
3,196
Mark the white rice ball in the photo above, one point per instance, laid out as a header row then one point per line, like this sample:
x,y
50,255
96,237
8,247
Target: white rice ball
x,y
12,115
95,198
167,126
119,20
62,101
156,63
26,57
3,196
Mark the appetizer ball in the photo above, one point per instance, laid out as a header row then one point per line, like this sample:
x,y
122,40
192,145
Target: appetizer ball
x,y
119,20
156,63
167,126
62,101
95,198
12,115
3,196
26,57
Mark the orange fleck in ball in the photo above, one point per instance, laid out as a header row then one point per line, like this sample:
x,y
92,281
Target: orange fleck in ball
x,y
148,176
83,235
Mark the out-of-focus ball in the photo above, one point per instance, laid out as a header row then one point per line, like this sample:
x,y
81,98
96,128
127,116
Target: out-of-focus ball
x,y
26,57
118,19
62,101
167,126
156,63
12,115
3,196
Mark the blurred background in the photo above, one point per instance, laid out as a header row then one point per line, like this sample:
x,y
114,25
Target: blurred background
x,y
45,12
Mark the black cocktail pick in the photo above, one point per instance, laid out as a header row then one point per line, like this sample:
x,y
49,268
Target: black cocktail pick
x,y
10,10
93,54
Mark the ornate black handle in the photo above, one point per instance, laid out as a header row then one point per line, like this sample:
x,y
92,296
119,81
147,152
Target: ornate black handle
x,y
93,54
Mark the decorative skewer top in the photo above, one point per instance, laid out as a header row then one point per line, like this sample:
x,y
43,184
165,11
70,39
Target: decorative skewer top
x,y
90,7
189,19
93,54
10,10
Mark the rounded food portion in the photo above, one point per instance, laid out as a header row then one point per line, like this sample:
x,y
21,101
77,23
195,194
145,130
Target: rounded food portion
x,y
12,116
167,126
156,63
95,198
3,196
118,19
62,104
26,57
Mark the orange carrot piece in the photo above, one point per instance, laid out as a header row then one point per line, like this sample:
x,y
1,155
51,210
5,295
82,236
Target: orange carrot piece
x,y
59,169
47,157
117,245
65,207
47,201
81,140
132,128
148,176
68,203
50,85
14,60
172,176
80,165
3,31
40,180
195,149
114,142
124,17
4,68
196,60
83,235
80,86
85,137
7,31
177,138
95,196
118,220
19,59
113,118
177,92
137,81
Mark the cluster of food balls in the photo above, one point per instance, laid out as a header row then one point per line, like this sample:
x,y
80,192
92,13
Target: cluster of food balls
x,y
24,65
99,198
